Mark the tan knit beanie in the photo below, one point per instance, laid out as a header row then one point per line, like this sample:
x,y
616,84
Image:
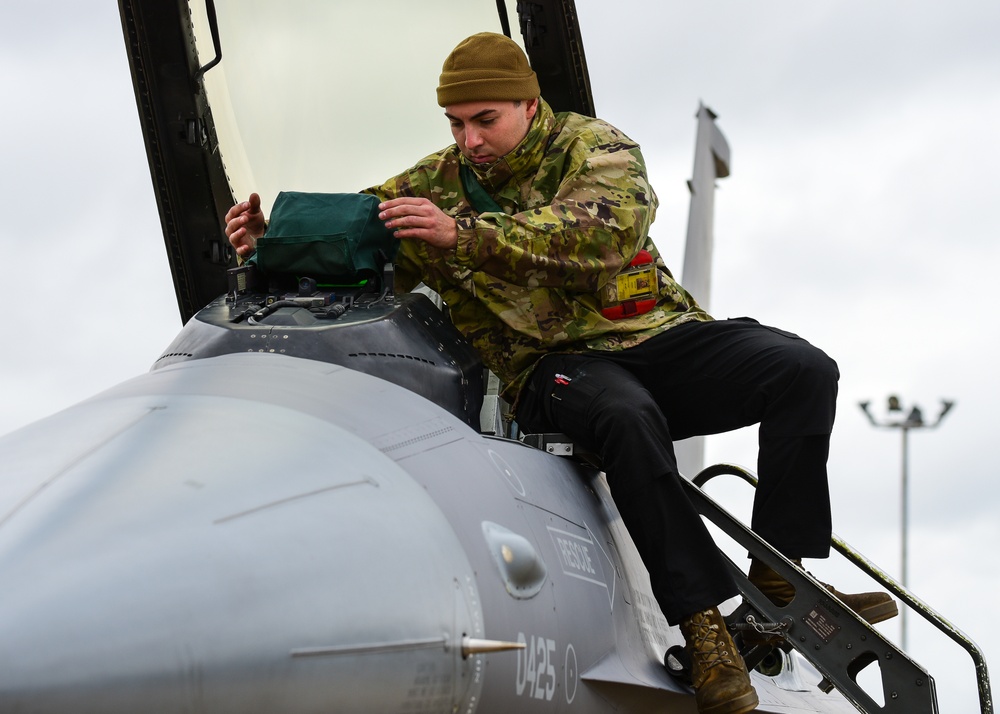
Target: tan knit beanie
x,y
484,68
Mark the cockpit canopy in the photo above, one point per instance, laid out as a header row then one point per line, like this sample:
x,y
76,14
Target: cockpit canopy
x,y
237,96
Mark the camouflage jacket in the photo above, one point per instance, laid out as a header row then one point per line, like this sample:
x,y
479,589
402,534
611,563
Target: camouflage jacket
x,y
529,280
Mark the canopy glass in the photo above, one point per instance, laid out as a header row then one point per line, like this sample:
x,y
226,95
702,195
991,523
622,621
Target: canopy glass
x,y
313,95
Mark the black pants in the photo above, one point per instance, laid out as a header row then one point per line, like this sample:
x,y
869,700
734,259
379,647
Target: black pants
x,y
694,379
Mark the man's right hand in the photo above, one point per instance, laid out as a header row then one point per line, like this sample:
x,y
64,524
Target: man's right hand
x,y
244,225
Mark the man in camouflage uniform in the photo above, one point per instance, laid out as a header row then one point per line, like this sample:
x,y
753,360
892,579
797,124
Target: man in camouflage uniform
x,y
522,227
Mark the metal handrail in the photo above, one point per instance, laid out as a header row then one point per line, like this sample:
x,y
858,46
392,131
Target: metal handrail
x,y
877,574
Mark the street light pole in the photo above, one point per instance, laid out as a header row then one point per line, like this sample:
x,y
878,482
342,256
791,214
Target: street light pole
x,y
904,521
914,420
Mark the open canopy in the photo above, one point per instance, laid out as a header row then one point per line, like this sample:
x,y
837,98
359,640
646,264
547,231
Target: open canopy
x,y
238,96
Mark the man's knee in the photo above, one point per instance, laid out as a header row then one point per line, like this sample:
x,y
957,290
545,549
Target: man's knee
x,y
805,401
817,366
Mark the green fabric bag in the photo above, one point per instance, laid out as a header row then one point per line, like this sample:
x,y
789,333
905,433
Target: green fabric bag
x,y
332,237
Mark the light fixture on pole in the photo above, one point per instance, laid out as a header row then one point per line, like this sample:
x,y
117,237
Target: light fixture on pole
x,y
913,420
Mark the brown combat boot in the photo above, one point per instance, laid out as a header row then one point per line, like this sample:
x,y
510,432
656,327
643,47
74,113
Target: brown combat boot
x,y
872,607
720,679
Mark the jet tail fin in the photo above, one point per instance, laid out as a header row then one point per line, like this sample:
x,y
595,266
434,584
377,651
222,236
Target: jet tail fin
x,y
711,162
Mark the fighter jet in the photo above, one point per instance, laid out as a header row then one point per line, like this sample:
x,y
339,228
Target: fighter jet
x,y
315,501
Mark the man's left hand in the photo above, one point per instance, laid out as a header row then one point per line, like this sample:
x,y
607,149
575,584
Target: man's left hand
x,y
419,218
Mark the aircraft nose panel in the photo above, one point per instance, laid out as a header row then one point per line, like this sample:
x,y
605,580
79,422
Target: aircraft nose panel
x,y
168,569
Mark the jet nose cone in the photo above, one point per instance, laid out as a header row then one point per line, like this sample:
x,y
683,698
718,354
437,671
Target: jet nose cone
x,y
139,576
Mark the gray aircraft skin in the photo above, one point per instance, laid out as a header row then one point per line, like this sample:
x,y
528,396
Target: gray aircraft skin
x,y
362,552
304,510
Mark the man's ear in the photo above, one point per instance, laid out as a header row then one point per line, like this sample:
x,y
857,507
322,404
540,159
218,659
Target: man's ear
x,y
531,108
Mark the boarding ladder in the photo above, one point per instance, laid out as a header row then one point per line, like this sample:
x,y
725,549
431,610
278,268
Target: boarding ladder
x,y
838,643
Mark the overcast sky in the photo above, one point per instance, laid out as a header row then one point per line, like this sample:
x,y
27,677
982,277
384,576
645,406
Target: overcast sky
x,y
860,213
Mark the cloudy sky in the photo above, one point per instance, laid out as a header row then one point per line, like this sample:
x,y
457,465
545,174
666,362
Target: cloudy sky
x,y
860,213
